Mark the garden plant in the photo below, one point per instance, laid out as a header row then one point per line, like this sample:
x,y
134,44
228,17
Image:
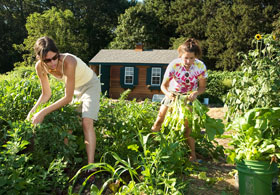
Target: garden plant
x,y
130,158
254,118
260,84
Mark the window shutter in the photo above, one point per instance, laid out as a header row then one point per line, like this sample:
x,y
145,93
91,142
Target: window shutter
x,y
149,74
135,82
162,74
122,77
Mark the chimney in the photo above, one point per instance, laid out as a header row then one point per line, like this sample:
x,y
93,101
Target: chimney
x,y
139,47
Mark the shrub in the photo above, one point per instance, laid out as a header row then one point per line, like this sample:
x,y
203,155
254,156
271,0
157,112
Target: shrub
x,y
218,85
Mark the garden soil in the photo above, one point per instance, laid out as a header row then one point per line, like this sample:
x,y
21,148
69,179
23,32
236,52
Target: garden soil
x,y
221,174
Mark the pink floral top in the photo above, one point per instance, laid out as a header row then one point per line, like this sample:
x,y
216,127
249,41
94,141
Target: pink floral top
x,y
181,80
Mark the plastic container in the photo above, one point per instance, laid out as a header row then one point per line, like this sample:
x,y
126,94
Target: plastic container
x,y
206,101
257,177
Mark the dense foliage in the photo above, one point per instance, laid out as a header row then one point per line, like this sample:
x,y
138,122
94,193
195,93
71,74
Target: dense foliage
x,y
257,135
232,27
138,25
218,85
66,32
34,155
223,27
96,18
260,84
44,158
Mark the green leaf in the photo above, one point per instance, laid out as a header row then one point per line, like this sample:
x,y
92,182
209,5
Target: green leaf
x,y
133,147
268,148
94,190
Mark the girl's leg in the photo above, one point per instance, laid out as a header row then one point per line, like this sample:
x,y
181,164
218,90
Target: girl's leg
x,y
160,118
190,141
90,138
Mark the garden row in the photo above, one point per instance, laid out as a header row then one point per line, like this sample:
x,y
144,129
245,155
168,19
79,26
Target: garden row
x,y
129,156
130,160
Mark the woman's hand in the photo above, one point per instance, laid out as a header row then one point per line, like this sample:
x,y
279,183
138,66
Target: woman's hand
x,y
38,117
28,116
170,95
193,96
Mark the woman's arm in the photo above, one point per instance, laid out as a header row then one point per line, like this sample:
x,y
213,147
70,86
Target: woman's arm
x,y
164,88
201,89
69,72
46,90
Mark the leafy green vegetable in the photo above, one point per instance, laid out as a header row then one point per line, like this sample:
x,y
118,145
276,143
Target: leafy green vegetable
x,y
197,117
257,135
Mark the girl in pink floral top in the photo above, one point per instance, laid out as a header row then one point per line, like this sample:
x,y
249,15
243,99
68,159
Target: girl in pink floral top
x,y
185,74
182,80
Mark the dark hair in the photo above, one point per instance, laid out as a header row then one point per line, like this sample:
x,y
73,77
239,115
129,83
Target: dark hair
x,y
190,45
43,45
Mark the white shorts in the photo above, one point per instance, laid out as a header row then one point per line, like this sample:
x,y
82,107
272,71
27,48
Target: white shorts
x,y
89,96
168,102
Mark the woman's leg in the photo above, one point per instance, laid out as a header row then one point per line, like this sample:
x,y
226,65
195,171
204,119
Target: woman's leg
x,y
190,141
90,138
160,118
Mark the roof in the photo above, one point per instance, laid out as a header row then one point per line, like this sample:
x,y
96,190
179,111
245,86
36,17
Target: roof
x,y
129,56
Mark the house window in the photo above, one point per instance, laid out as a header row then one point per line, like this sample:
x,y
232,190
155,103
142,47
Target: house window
x,y
128,75
156,76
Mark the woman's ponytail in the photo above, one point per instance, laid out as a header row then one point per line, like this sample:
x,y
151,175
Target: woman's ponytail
x,y
190,45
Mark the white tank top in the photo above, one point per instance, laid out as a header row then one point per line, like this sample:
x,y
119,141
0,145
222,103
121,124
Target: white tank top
x,y
83,73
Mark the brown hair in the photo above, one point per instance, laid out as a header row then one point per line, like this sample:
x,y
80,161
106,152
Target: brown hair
x,y
190,45
43,45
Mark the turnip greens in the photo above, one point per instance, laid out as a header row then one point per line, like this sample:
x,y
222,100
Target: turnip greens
x,y
196,114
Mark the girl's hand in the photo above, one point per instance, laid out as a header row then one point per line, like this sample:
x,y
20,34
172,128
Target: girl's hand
x,y
38,118
170,95
28,116
193,96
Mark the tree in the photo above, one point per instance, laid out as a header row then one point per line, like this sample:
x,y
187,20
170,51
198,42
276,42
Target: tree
x,y
188,16
136,25
234,23
161,8
97,18
276,25
191,18
100,18
60,25
13,15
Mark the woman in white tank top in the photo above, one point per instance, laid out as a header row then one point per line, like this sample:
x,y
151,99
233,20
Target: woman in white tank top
x,y
79,80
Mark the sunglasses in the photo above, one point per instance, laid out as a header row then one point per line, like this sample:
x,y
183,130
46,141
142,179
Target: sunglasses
x,y
53,58
187,76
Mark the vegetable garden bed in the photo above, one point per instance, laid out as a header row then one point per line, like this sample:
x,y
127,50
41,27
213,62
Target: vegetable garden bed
x,y
122,142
